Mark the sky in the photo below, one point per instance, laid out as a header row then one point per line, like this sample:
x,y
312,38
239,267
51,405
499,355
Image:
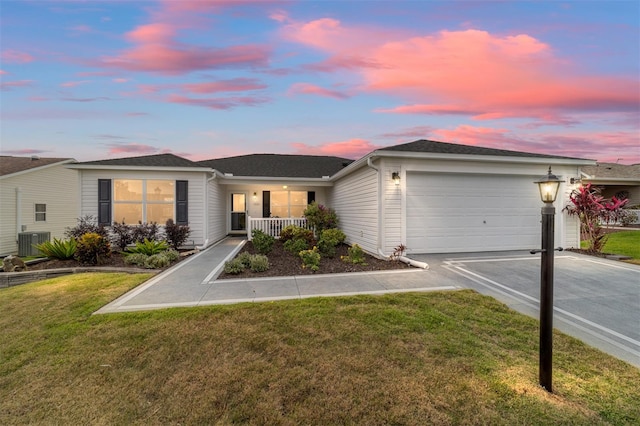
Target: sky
x,y
206,79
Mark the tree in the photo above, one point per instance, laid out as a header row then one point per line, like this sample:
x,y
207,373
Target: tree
x,y
594,210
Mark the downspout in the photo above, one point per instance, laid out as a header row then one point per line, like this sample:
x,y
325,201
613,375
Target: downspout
x,y
206,201
412,262
18,212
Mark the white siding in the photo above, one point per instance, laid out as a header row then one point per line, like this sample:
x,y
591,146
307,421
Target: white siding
x,y
216,214
55,186
355,199
391,207
197,197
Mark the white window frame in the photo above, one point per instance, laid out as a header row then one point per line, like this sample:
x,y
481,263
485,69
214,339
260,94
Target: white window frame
x,y
43,213
305,198
144,202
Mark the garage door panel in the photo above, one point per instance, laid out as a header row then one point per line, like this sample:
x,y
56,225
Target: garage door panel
x,y
455,213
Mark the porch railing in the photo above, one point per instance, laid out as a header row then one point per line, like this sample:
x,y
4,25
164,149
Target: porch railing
x,y
273,225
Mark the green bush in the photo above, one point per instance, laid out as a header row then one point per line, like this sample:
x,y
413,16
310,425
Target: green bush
x,y
58,249
259,263
92,248
234,267
148,247
310,259
155,261
135,259
320,217
245,258
296,245
262,242
329,240
355,255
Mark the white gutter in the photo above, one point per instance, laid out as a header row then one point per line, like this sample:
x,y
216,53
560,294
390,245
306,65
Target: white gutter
x,y
18,211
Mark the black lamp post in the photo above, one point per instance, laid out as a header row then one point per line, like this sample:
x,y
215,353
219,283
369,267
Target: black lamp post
x,y
548,186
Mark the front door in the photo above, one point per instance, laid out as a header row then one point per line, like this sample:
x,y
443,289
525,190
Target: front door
x,y
238,212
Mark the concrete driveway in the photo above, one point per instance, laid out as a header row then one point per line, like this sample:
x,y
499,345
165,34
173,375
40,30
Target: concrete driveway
x,y
595,300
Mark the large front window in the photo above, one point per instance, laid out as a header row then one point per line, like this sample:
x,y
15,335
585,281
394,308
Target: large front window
x,y
288,203
143,200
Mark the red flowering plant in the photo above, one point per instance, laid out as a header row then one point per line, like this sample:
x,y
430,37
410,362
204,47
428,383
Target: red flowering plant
x,y
594,210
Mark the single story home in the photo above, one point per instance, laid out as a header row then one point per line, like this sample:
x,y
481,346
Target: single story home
x,y
433,197
620,180
39,199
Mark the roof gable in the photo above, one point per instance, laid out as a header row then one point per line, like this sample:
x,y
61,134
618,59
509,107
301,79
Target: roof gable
x,y
429,146
157,160
10,165
278,165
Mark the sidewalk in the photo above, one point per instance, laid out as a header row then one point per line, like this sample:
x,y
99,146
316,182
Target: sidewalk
x,y
193,283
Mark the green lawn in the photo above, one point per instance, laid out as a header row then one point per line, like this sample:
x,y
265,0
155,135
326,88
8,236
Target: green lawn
x,y
624,242
415,359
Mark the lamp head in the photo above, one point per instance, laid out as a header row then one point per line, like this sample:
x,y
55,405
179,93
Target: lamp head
x,y
548,186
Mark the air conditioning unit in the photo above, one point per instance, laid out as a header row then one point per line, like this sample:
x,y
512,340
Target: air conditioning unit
x,y
28,240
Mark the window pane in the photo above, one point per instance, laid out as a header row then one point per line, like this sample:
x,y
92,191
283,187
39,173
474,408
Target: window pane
x,y
279,198
298,198
130,213
282,211
127,190
41,212
297,211
159,213
160,190
238,203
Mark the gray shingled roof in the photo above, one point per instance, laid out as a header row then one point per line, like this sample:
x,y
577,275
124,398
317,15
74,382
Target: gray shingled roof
x,y
158,160
10,164
429,146
613,171
278,165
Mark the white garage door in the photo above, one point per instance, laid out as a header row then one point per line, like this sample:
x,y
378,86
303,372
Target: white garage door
x,y
449,213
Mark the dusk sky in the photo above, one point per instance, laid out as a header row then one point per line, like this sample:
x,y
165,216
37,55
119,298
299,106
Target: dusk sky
x,y
206,79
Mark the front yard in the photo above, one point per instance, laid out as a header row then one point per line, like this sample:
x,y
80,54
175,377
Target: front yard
x,y
421,358
625,243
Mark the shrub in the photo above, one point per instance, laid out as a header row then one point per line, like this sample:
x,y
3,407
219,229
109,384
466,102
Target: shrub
x,y
145,231
92,248
262,242
58,249
234,267
155,261
121,235
310,259
135,259
628,217
149,247
296,245
245,258
329,240
176,235
259,263
86,225
320,217
355,255
291,232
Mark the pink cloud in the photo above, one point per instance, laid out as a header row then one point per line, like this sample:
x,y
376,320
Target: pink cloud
x,y
233,85
218,103
3,72
352,148
469,72
152,33
131,148
312,89
10,85
14,56
74,83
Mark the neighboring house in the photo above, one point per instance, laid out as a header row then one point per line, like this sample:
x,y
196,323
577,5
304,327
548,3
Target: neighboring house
x,y
36,195
433,197
622,181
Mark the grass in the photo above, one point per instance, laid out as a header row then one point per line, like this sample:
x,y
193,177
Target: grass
x,y
421,358
626,243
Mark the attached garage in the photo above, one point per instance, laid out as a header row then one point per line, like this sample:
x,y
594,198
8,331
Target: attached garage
x,y
449,213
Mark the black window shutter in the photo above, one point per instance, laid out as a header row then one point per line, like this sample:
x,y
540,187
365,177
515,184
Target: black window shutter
x,y
104,202
266,203
182,202
311,197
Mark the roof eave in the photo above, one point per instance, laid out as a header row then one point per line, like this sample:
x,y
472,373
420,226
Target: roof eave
x,y
33,169
139,168
250,180
611,180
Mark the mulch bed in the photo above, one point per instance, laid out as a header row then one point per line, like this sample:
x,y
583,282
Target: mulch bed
x,y
282,263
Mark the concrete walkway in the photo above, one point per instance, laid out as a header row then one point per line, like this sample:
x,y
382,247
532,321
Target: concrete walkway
x,y
193,283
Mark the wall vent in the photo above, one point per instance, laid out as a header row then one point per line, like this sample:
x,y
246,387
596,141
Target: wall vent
x,y
28,240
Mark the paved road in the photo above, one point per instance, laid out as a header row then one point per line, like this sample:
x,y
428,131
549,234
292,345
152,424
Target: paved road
x,y
595,300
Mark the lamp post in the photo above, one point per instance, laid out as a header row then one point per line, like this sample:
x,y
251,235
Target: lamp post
x,y
548,186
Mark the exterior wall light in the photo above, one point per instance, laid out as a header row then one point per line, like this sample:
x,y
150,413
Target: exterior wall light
x,y
548,186
396,178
